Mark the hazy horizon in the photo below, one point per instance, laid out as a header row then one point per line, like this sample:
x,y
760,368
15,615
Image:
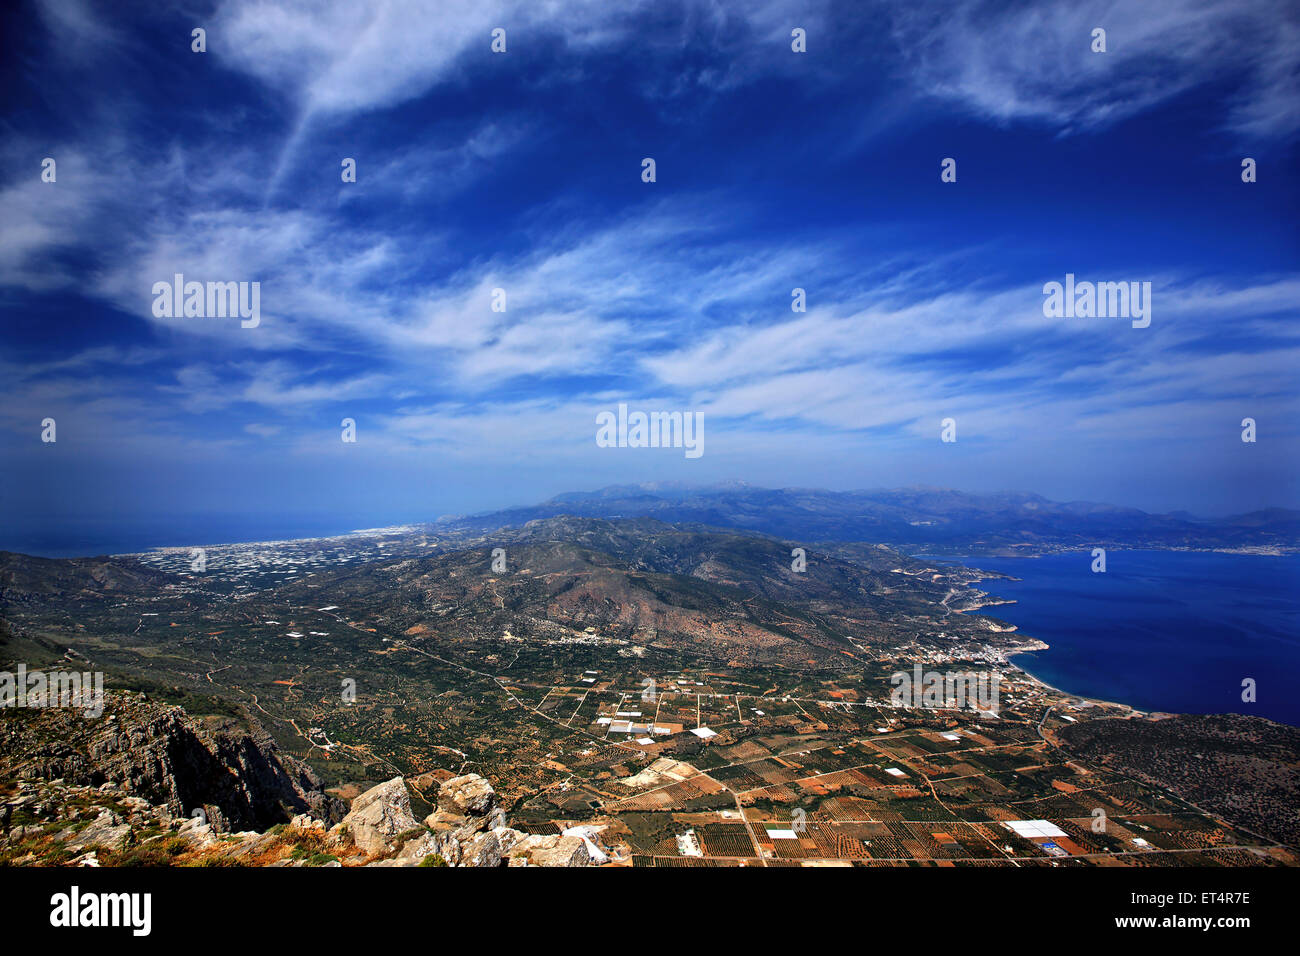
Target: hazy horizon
x,y
165,531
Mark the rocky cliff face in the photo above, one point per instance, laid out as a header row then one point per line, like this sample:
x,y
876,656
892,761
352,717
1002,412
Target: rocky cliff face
x,y
162,755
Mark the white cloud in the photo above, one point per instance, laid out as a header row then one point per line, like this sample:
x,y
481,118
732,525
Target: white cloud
x,y
1035,62
340,57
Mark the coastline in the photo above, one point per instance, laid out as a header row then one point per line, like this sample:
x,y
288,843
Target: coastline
x,y
1138,619
1035,644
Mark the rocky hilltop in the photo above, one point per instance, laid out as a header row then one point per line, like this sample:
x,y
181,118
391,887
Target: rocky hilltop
x,y
233,777
147,784
468,828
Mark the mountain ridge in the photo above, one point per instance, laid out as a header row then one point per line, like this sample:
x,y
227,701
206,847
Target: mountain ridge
x,y
942,520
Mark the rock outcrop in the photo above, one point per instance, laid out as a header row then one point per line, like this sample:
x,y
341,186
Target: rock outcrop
x,y
551,850
470,829
236,777
147,784
469,794
380,816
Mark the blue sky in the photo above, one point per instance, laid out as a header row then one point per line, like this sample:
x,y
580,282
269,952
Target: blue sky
x,y
522,171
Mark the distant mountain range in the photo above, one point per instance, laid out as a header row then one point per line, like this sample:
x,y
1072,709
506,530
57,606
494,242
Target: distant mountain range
x,y
913,519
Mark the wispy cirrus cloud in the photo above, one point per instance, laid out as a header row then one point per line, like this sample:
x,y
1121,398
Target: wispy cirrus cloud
x,y
523,174
1035,63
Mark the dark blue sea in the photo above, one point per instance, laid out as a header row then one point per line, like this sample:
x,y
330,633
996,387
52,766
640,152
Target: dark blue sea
x,y
110,535
1160,630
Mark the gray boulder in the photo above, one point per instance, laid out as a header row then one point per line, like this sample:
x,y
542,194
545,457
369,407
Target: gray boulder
x,y
469,794
379,816
106,830
550,850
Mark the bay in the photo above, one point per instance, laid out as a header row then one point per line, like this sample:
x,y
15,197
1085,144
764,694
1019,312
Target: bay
x,y
1172,631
